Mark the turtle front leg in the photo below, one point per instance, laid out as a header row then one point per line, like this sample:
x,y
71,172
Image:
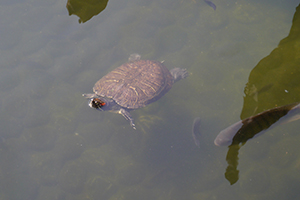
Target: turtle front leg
x,y
127,116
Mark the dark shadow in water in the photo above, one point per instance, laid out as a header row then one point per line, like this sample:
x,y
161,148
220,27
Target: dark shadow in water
x,y
84,9
239,133
274,81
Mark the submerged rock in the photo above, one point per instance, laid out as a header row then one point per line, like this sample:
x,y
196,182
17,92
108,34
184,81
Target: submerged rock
x,y
72,177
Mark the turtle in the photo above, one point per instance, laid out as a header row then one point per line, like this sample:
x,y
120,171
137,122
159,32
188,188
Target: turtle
x,y
133,85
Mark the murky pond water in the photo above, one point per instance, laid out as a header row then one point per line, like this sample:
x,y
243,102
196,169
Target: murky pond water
x,y
53,146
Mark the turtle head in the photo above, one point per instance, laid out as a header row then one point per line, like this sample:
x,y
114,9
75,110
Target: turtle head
x,y
97,103
102,103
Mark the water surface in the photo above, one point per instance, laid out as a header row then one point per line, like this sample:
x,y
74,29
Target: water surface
x,y
53,146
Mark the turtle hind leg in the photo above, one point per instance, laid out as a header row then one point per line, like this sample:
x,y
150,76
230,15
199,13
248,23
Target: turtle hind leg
x,y
179,74
127,116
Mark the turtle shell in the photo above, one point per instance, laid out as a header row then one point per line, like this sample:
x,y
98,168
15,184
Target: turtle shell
x,y
135,84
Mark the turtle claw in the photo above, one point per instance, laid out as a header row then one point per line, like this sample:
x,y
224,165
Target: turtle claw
x,y
132,125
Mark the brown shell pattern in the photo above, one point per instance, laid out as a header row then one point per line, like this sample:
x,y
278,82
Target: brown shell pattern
x,y
135,84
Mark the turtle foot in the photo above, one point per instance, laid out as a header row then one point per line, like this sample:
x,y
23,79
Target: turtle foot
x,y
127,116
179,74
134,57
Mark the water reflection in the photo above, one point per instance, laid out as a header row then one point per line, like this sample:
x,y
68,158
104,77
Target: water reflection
x,y
239,133
274,81
85,10
211,4
243,130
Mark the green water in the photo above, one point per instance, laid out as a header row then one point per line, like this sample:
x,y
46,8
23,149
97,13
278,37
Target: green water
x,y
53,146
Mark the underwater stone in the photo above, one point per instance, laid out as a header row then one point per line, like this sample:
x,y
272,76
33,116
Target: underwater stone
x,y
39,138
72,177
93,135
171,39
100,188
46,167
98,161
255,181
131,175
69,147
